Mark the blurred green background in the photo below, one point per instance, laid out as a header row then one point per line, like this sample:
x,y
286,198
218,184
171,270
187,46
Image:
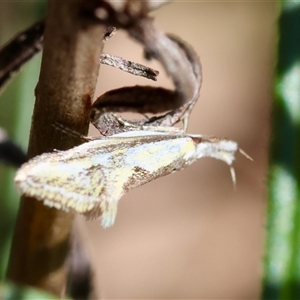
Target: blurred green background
x,y
16,105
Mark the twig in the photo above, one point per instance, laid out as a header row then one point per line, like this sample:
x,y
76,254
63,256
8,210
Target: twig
x,y
179,59
10,153
19,50
128,66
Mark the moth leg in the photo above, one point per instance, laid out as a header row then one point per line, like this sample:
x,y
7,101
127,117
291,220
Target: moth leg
x,y
122,121
185,123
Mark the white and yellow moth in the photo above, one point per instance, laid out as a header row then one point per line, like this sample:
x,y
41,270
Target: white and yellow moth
x,y
91,178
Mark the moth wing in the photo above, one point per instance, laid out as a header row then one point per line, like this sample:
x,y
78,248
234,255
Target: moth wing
x,y
76,185
91,178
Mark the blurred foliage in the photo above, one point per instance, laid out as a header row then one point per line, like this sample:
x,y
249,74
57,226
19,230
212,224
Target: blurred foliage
x,y
16,105
9,291
282,258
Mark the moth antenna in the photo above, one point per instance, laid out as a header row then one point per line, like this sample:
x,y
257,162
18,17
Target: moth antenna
x,y
233,177
71,132
245,154
145,116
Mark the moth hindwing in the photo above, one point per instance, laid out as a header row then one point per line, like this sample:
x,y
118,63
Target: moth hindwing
x,y
91,178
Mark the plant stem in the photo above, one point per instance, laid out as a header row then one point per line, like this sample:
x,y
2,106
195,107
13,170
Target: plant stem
x,y
70,64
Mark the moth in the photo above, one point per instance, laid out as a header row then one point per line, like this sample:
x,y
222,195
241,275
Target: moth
x,y
91,178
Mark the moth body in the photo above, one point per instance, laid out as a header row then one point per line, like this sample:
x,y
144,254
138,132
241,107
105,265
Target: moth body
x,y
91,178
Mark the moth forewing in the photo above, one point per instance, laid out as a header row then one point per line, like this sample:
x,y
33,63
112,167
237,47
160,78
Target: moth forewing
x,y
91,178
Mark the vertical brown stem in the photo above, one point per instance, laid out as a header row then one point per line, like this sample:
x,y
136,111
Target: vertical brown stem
x,y
69,70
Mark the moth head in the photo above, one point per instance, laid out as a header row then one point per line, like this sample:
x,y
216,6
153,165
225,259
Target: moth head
x,y
107,123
